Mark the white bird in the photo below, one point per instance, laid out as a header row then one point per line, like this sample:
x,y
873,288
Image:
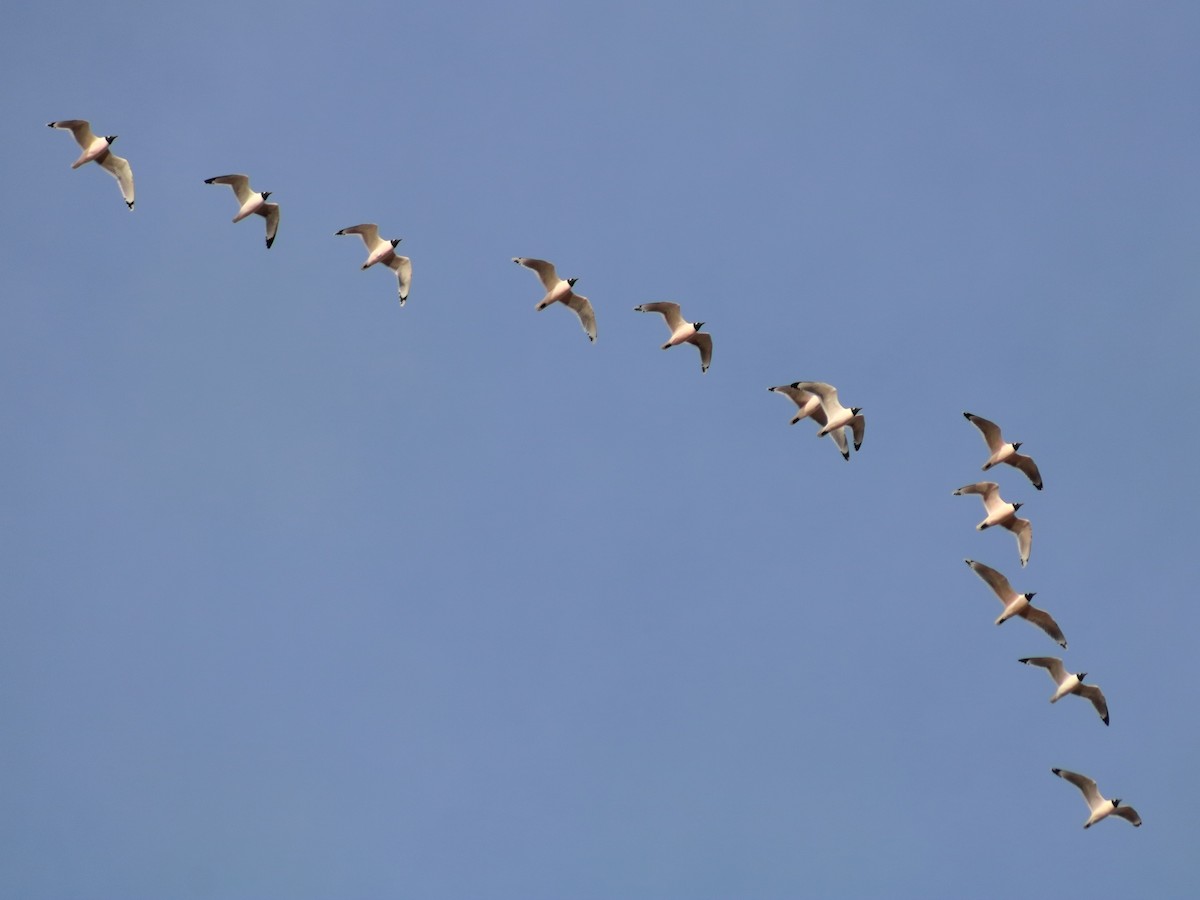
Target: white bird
x,y
96,149
1003,452
561,290
252,202
381,251
837,417
1002,514
1069,683
1017,604
681,332
808,405
1100,808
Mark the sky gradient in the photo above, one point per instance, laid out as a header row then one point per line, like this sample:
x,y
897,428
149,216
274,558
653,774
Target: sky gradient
x,y
307,595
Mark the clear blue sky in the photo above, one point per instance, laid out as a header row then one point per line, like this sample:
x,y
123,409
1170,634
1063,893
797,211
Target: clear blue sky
x,y
310,596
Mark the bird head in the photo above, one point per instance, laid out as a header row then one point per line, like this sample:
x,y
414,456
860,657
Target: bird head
x,y
571,281
1081,675
697,325
1017,506
110,137
1017,445
266,194
395,241
855,410
1031,595
1116,803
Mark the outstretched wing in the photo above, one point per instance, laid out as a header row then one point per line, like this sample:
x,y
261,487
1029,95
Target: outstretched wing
x,y
118,167
668,310
545,270
402,266
991,431
583,309
270,212
239,183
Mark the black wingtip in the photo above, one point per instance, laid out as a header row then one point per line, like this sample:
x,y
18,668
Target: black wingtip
x,y
270,241
967,416
1057,771
1105,720
1025,660
129,204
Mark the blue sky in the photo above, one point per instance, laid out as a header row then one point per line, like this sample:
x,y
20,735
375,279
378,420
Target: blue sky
x,y
308,595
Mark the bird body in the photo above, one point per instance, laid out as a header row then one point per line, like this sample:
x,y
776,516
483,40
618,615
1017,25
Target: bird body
x,y
252,202
96,149
561,290
1001,513
682,332
1017,604
1002,452
384,251
1099,808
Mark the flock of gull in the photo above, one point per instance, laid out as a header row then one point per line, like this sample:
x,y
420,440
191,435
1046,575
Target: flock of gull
x,y
1065,683
815,400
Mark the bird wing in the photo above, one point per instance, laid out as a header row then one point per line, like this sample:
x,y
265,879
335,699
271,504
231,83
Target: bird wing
x,y
1028,466
1023,529
1044,621
545,270
670,312
1057,670
368,231
984,488
991,431
239,183
1093,693
704,342
1090,792
799,397
118,167
402,266
80,128
583,309
839,438
995,580
859,426
270,212
1128,813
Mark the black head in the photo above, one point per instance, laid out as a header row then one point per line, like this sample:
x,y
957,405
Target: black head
x,y
697,325
395,241
1081,675
1031,595
110,137
1017,506
1017,445
1116,803
855,410
571,281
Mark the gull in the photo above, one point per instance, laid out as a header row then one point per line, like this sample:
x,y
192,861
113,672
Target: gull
x,y
1002,452
1017,604
1101,808
838,417
809,406
561,290
1070,683
681,332
253,203
1002,514
381,251
96,149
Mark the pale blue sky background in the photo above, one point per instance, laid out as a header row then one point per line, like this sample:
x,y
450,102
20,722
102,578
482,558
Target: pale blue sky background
x,y
309,596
